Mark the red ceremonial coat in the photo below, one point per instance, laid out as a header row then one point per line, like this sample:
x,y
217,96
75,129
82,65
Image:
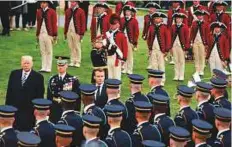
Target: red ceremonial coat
x,y
120,5
104,26
183,35
79,20
164,37
191,14
147,23
210,7
50,19
120,40
204,31
222,46
132,29
171,19
223,17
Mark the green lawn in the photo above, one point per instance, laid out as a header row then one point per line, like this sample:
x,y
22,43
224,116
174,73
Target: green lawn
x,y
24,43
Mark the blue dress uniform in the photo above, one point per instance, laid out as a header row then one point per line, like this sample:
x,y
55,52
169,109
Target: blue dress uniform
x,y
220,101
138,96
144,130
185,114
152,143
162,120
64,131
114,84
71,117
91,121
202,128
8,135
44,128
220,74
116,136
224,136
92,109
26,139
204,108
158,74
179,134
57,84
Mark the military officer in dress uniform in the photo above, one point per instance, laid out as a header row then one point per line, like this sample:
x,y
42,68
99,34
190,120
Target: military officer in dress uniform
x,y
27,139
70,117
148,20
160,118
180,44
88,97
223,125
198,40
136,82
100,23
176,8
74,30
144,130
113,93
201,132
185,114
59,82
7,134
129,25
46,34
64,135
218,47
43,127
116,136
191,12
204,108
159,42
178,136
155,83
219,86
90,131
152,143
220,14
117,48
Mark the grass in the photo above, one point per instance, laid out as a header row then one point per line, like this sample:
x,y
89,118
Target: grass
x,y
24,43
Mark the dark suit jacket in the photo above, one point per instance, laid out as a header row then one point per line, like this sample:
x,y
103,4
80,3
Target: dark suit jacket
x,y
101,100
21,96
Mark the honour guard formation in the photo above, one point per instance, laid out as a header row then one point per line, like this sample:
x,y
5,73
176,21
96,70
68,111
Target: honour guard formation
x,y
67,112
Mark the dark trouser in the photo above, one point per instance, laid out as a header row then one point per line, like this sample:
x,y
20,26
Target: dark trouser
x,y
24,20
5,23
32,13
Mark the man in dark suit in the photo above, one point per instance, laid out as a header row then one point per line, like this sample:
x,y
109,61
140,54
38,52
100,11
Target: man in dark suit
x,y
24,85
59,82
4,15
100,95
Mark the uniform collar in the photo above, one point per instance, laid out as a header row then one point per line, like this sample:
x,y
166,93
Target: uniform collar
x,y
111,99
179,25
101,15
128,17
67,111
220,12
158,115
219,97
135,93
41,120
176,9
199,144
113,31
88,106
87,141
153,87
141,123
221,131
62,76
202,102
181,108
6,128
73,9
45,9
111,129
196,6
